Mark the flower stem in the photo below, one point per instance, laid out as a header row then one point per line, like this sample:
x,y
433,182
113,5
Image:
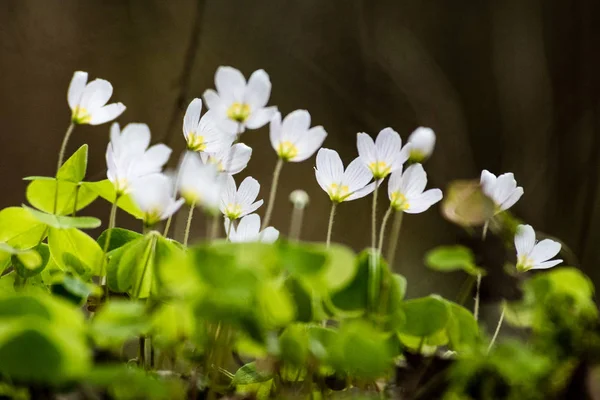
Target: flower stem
x,y
393,242
386,217
112,220
476,305
61,157
330,226
296,223
142,351
273,193
497,331
188,225
374,218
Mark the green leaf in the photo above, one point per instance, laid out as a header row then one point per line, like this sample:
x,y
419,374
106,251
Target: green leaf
x,y
73,289
19,229
42,195
73,170
293,344
355,296
74,250
106,190
452,258
32,262
118,321
424,316
118,238
248,374
276,303
462,329
63,222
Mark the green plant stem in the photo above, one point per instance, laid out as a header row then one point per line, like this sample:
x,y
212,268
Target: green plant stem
x,y
386,217
477,296
142,351
374,218
330,226
273,193
188,225
485,230
112,221
296,223
497,331
393,242
214,227
61,157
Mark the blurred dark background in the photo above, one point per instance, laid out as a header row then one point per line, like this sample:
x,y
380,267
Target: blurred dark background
x,y
507,85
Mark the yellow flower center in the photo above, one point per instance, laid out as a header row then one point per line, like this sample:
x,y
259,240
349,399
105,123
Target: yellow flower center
x,y
524,263
152,217
196,142
233,211
81,116
190,196
287,150
416,156
398,201
380,169
238,112
338,192
217,162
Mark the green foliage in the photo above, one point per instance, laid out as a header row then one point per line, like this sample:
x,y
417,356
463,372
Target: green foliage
x,y
117,322
63,222
106,190
452,258
74,250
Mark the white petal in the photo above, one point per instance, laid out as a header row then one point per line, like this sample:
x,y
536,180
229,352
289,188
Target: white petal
x,y
414,181
361,192
544,250
252,207
329,166
505,184
248,191
366,148
158,155
96,94
400,158
258,90
172,208
192,116
275,130
237,159
230,82
322,181
152,193
228,194
547,264
76,88
212,99
135,138
356,176
524,240
512,199
423,201
260,117
422,140
115,133
310,143
107,113
269,235
395,182
488,182
248,228
388,144
295,125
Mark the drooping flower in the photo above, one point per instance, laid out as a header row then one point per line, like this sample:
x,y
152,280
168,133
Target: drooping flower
x,y
293,139
422,142
231,160
88,100
153,195
239,104
532,255
503,190
128,157
202,133
198,183
405,190
384,155
248,230
239,202
342,185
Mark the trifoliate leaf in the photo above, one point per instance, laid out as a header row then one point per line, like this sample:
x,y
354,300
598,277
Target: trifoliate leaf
x,y
452,258
73,170
424,316
19,229
106,190
63,222
74,250
42,195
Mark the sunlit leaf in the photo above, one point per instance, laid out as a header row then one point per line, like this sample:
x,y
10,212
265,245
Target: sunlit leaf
x,y
64,222
74,250
19,229
31,262
42,195
106,190
73,170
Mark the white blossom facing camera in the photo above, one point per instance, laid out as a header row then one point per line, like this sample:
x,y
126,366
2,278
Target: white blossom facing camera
x,y
88,100
153,194
532,255
231,160
406,190
239,202
293,139
239,104
340,185
202,133
248,230
199,184
128,157
422,143
384,155
503,190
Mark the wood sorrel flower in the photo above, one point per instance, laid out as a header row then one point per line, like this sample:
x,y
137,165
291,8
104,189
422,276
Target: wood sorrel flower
x,y
405,190
384,155
248,230
231,160
199,184
237,203
293,139
342,185
128,157
422,142
153,194
88,100
532,255
503,190
239,104
203,134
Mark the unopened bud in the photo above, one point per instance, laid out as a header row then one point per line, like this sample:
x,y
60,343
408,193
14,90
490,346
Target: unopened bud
x,y
299,198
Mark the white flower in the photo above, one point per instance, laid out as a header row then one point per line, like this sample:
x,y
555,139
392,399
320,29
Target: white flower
x,y
240,105
248,230
383,156
128,157
199,184
88,100
236,203
422,142
230,160
405,190
502,190
342,185
153,195
294,140
203,134
532,255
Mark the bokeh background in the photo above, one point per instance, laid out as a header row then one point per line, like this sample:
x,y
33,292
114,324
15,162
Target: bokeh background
x,y
507,85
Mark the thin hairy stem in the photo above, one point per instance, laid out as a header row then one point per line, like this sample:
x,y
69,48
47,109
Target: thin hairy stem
x,y
273,193
384,222
330,226
188,225
497,331
374,218
214,227
477,296
393,242
296,223
112,221
61,157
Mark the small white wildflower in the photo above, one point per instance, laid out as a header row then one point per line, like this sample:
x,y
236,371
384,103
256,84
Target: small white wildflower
x,y
239,202
199,184
293,139
405,190
248,230
503,190
202,133
88,100
532,255
422,143
384,155
153,195
231,160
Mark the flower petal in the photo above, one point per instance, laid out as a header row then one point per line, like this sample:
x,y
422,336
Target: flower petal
x,y
107,113
275,130
134,139
544,250
395,182
76,88
512,199
329,166
361,192
295,125
546,264
400,158
248,228
230,83
269,235
424,201
505,184
96,94
388,144
212,99
191,118
414,180
488,182
524,240
258,90
248,191
366,148
237,158
356,176
310,143
172,208
422,140
260,117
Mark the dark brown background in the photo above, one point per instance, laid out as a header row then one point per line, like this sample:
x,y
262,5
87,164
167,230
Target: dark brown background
x,y
508,85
